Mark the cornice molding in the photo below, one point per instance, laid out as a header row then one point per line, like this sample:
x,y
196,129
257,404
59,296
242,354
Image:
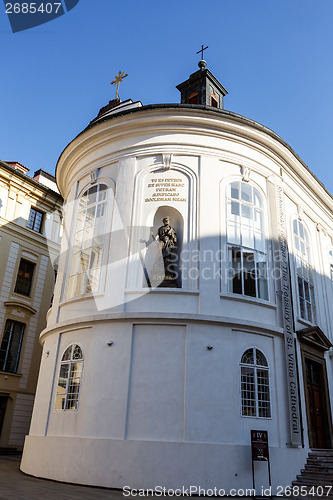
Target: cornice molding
x,y
185,119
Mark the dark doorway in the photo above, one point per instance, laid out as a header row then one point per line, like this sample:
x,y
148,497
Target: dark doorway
x,y
316,405
3,405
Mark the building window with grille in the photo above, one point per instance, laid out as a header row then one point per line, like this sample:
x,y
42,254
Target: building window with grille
x,y
255,384
246,242
11,346
35,220
305,287
89,239
69,380
24,277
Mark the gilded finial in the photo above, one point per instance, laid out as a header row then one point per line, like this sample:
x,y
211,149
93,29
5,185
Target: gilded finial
x,y
118,78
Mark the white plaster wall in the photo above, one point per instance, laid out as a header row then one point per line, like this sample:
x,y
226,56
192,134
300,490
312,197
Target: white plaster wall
x,y
157,407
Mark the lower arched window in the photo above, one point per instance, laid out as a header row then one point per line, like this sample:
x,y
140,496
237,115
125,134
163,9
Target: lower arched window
x,y
255,384
69,380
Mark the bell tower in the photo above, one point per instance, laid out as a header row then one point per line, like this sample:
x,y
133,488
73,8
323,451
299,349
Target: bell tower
x,y
202,88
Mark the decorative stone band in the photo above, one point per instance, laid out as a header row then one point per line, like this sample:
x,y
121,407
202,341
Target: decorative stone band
x,y
290,351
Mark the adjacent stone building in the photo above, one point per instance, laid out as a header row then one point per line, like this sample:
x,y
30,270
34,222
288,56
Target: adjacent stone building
x,y
192,303
30,227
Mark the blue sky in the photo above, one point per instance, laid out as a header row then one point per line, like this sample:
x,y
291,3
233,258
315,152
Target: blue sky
x,y
273,56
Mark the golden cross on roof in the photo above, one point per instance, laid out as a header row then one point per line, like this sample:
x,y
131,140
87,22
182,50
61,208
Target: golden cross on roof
x,y
118,78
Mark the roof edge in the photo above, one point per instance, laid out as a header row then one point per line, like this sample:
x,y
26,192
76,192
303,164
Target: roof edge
x,y
201,107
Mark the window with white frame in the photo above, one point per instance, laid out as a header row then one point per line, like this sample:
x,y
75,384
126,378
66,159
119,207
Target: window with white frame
x,y
11,345
255,384
246,242
304,275
89,239
69,380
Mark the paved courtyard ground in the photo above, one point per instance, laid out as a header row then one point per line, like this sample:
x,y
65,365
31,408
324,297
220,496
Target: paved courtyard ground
x,y
14,485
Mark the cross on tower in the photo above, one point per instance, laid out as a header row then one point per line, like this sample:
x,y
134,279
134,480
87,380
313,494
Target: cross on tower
x,y
117,79
202,51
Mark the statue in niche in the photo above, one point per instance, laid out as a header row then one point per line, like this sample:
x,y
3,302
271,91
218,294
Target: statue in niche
x,y
167,239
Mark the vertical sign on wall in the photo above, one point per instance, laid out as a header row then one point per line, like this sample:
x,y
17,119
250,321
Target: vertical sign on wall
x,y
290,351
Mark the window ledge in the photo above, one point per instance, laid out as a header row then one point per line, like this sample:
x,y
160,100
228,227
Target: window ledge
x,y
144,291
67,410
10,374
256,418
250,300
22,297
79,298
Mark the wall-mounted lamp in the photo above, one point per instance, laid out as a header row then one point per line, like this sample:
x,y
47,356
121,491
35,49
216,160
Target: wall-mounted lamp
x,y
209,347
6,377
110,343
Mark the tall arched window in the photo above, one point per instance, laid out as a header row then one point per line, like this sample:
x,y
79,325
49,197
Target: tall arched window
x,y
85,270
305,286
247,255
69,380
255,384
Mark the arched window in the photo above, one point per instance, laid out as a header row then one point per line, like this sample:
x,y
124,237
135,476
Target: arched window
x,y
255,384
304,272
69,378
85,270
247,255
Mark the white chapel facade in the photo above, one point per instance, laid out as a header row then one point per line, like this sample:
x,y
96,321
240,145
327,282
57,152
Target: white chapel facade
x,y
192,302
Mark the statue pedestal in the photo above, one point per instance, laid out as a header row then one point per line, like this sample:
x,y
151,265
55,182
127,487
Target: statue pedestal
x,y
163,279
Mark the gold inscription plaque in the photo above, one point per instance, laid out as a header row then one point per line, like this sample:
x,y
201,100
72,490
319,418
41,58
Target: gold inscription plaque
x,y
166,190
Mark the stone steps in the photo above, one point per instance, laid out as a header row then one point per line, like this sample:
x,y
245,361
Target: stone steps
x,y
317,476
312,470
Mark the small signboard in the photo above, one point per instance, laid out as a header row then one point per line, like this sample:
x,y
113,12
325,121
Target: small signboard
x,y
260,451
259,445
